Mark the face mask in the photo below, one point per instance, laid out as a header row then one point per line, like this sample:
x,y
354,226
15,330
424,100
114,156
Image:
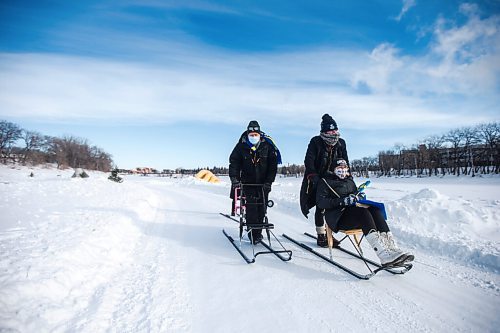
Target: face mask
x,y
341,172
330,139
254,139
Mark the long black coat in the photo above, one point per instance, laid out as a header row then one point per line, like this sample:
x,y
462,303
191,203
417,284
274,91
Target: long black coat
x,y
253,167
328,200
318,161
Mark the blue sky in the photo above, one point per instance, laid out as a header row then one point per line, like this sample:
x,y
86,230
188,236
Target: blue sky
x,y
174,83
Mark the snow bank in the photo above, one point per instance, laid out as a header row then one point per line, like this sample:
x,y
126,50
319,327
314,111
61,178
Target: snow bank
x,y
62,238
449,226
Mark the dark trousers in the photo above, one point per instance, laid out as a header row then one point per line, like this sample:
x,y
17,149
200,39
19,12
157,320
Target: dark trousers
x,y
256,208
366,219
318,217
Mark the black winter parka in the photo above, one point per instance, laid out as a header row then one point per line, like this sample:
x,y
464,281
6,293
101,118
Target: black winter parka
x,y
318,161
253,167
328,200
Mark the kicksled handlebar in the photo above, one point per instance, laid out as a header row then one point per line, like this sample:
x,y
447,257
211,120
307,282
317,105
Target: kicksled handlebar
x,y
239,189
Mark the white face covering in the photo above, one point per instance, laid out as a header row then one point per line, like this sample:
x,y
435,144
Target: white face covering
x,y
254,139
341,172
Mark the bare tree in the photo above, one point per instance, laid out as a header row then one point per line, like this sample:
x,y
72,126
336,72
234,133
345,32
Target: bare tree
x,y
99,160
470,138
433,161
388,161
399,148
56,152
33,142
9,134
490,134
454,138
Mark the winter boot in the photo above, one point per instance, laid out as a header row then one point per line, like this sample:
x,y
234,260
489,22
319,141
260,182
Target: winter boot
x,y
322,241
256,237
387,256
390,241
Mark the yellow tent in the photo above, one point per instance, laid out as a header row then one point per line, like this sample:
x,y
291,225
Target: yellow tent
x,y
207,176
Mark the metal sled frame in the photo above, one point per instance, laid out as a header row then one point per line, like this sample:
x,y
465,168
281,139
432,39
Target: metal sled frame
x,y
392,270
359,252
240,210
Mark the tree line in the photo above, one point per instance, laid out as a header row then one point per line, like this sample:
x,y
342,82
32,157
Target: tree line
x,y
18,145
467,150
463,151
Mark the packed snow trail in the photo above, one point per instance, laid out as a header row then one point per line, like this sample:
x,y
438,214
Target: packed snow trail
x,y
148,255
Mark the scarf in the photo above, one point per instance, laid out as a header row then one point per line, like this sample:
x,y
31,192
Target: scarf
x,y
330,140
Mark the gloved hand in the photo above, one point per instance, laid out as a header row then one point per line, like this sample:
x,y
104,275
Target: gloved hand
x,y
361,196
349,201
266,187
235,183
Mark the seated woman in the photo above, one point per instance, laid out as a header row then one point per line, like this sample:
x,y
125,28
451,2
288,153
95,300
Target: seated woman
x,y
336,195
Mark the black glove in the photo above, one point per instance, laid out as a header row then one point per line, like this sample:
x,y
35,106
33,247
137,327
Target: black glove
x,y
349,201
235,183
266,187
361,196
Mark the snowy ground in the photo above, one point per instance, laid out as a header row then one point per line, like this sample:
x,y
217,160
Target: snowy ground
x,y
148,255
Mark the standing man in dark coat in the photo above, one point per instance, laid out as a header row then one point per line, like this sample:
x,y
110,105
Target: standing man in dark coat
x,y
321,152
254,160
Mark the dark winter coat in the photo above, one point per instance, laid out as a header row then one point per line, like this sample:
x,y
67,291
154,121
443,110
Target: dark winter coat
x,y
318,161
328,200
253,167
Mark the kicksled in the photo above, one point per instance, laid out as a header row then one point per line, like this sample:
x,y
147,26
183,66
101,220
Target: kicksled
x,y
241,201
283,254
372,266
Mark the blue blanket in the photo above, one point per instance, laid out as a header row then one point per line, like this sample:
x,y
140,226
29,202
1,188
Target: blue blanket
x,y
375,204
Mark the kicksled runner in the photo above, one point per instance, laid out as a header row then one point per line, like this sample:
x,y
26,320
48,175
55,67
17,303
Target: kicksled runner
x,y
373,267
241,202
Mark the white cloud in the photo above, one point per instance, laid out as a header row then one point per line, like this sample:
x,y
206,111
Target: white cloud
x,y
384,62
407,4
466,50
454,84
462,60
284,89
185,4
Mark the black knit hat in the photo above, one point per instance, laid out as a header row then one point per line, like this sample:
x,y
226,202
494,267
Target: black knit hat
x,y
339,162
328,124
253,126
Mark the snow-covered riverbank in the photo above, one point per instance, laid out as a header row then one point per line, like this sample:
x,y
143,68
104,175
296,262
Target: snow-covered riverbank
x,y
148,255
